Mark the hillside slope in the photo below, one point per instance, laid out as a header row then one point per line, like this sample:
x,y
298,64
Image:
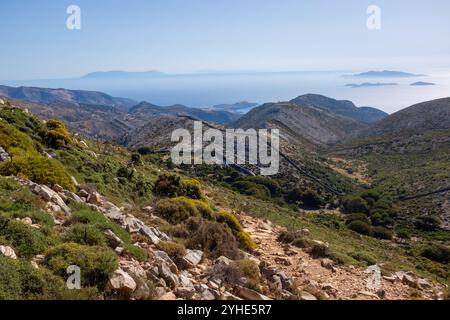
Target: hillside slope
x,y
65,96
341,107
298,121
419,118
139,231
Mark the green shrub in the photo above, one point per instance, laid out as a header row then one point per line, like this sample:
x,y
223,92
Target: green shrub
x,y
23,122
144,151
171,185
214,238
37,216
427,223
361,228
308,197
38,169
85,234
296,238
354,204
436,252
288,236
97,220
252,189
175,250
19,280
57,136
250,270
357,217
96,263
271,184
10,280
136,252
319,250
365,257
379,218
26,240
15,142
311,198
382,233
403,234
176,210
233,223
136,158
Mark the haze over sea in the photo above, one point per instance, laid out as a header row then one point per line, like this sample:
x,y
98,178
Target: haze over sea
x,y
207,89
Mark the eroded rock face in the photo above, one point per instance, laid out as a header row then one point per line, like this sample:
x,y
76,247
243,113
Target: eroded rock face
x,y
49,195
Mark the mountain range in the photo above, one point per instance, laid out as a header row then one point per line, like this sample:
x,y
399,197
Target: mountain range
x,y
75,97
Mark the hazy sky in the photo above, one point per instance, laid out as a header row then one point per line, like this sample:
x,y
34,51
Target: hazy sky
x,y
179,36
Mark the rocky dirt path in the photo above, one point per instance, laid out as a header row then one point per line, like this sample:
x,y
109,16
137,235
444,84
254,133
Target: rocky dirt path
x,y
338,282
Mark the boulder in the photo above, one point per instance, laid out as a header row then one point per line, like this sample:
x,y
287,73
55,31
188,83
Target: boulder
x,y
169,277
83,193
49,195
327,263
113,239
168,296
249,294
275,283
423,284
164,257
185,292
95,198
193,257
72,197
286,281
120,281
185,281
4,156
58,188
27,221
8,252
306,296
407,278
149,233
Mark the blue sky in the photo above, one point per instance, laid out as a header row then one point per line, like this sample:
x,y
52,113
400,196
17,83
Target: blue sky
x,y
181,36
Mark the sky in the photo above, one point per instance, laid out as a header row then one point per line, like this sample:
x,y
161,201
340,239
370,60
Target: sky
x,y
184,36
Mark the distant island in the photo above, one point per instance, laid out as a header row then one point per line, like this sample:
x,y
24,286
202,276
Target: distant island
x,y
123,75
421,83
384,74
369,84
236,107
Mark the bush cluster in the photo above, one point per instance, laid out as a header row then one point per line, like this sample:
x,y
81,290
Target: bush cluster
x,y
56,136
96,262
172,185
176,210
369,213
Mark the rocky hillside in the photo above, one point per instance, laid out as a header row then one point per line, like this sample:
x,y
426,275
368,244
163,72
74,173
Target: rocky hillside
x,y
97,115
148,230
419,118
64,96
300,122
148,111
341,107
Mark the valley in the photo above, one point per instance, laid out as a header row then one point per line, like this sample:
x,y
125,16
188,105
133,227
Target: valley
x,y
213,232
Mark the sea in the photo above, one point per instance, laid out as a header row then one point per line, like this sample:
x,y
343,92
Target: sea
x,y
207,90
